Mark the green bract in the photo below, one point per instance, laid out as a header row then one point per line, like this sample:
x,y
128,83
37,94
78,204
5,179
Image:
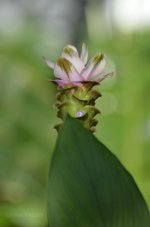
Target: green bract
x,y
79,103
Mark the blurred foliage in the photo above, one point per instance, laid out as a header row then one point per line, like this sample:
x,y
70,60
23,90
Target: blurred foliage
x,y
27,116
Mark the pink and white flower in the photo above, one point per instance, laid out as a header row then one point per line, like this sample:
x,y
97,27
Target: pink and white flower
x,y
74,69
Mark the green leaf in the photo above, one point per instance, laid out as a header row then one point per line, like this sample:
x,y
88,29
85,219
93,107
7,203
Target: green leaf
x,y
89,187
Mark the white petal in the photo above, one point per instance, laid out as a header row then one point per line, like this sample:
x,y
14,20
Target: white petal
x,y
64,70
87,70
72,49
99,68
71,54
61,69
49,63
94,67
84,54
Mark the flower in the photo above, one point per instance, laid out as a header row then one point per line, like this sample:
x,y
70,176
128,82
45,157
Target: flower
x,y
74,69
76,77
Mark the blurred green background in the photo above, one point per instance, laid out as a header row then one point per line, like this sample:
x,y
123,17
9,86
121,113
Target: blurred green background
x,y
32,29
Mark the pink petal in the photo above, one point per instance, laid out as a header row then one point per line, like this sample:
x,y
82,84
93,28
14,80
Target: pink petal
x,y
94,67
65,70
60,83
71,54
84,54
74,74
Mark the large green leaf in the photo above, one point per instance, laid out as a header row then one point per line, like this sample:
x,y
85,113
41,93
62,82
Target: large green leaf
x,y
89,187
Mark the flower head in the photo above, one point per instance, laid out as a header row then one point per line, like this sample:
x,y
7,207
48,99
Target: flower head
x,y
76,77
73,69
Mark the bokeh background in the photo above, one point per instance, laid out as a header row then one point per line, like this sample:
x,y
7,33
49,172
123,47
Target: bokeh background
x,y
32,29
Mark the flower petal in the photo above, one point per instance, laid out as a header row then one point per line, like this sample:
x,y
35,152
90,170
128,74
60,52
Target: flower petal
x,y
62,69
71,54
49,63
101,77
84,53
70,50
94,67
65,70
100,63
60,83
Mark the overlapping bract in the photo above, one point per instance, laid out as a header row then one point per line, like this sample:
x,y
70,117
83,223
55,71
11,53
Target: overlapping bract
x,y
74,69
